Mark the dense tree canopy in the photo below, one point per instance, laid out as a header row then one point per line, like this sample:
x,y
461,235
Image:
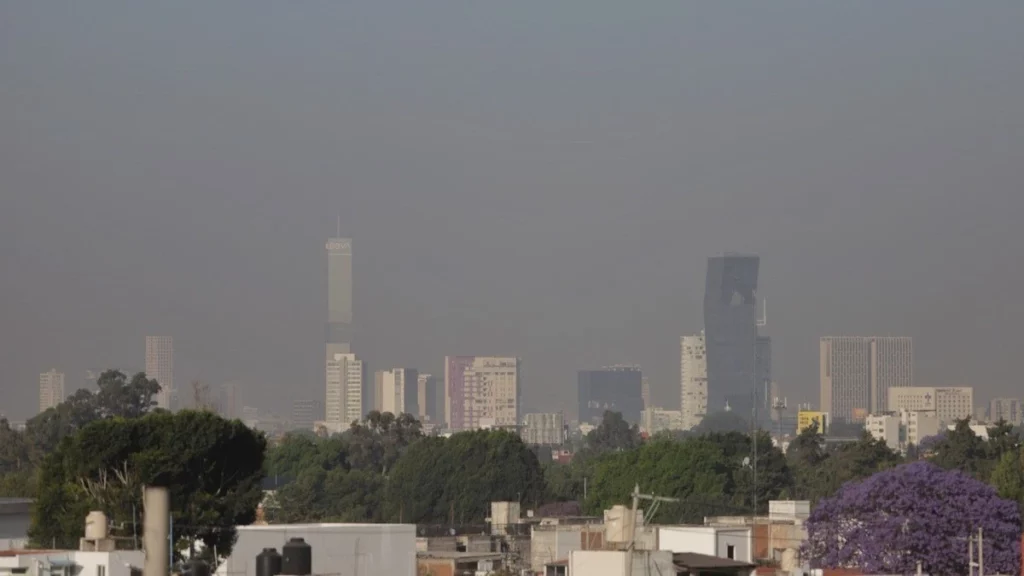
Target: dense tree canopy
x,y
212,466
913,513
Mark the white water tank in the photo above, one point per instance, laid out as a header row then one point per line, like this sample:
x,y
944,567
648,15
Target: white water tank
x,y
96,525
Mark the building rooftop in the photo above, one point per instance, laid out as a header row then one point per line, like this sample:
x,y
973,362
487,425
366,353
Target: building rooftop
x,y
461,556
705,562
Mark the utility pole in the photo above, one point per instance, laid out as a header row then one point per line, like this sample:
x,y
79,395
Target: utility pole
x,y
980,564
637,496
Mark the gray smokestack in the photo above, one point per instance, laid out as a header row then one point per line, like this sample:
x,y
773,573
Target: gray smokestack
x,y
156,508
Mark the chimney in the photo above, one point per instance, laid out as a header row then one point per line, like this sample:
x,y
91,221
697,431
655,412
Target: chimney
x,y
156,510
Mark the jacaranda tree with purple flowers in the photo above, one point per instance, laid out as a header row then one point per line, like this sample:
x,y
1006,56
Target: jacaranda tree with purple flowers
x,y
888,522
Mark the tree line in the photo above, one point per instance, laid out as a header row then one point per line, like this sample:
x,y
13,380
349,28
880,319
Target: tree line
x,y
95,451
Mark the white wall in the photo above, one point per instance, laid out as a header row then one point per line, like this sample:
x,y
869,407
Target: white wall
x,y
709,540
364,549
613,563
112,563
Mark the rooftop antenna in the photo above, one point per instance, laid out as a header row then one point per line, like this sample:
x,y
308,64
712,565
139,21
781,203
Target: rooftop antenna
x,y
763,320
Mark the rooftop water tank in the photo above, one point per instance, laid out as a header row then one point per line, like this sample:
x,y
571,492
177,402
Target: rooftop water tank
x,y
96,525
297,558
268,562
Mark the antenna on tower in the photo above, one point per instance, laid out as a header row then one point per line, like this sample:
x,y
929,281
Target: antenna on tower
x,y
763,320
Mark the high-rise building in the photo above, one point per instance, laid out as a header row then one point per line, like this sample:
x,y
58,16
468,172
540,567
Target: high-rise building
x,y
396,391
228,401
543,429
730,329
305,413
645,392
339,296
160,367
615,388
693,371
51,389
654,420
344,400
948,403
857,373
482,391
1009,409
428,399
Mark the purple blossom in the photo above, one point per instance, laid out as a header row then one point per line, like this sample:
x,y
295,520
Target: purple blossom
x,y
885,524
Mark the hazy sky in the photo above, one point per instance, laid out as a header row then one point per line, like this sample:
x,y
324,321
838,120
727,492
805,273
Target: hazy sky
x,y
524,178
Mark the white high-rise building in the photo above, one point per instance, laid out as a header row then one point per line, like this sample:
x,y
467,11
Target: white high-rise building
x,y
160,367
693,372
1009,409
481,392
396,391
858,373
544,429
947,403
51,389
344,400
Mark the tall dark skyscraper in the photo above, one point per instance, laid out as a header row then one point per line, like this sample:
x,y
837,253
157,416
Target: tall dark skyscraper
x,y
619,389
730,331
339,296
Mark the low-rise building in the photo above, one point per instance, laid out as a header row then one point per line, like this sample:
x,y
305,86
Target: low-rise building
x,y
654,420
900,430
949,403
731,542
50,562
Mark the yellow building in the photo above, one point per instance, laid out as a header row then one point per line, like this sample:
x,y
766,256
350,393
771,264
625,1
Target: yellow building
x,y
806,418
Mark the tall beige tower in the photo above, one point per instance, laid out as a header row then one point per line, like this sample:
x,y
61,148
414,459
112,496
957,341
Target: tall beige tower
x,y
160,367
693,376
856,373
481,392
344,399
51,389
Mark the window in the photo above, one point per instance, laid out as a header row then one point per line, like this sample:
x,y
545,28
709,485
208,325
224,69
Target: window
x,y
101,571
730,552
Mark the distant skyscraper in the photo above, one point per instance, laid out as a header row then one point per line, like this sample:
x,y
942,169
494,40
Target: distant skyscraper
x,y
396,391
51,389
481,392
1009,409
160,367
345,384
305,413
428,399
694,380
730,329
645,392
339,296
616,388
228,402
856,373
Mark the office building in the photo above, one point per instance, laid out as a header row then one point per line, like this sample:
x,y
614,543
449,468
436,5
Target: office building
x,y
482,392
339,296
160,367
51,389
856,374
543,429
899,430
947,403
885,427
1008,409
429,400
228,405
645,391
305,413
693,372
343,403
730,332
615,389
655,419
396,391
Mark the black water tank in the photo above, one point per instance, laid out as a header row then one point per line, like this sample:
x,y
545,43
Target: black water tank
x,y
268,562
297,558
197,568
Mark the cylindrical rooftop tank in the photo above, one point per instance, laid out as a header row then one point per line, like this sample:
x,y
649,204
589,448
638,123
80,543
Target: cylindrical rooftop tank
x,y
96,525
268,562
197,568
297,558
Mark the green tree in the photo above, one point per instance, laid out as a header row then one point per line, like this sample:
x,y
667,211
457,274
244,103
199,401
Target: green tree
x,y
462,474
13,449
722,422
613,433
962,449
696,470
377,442
806,455
854,461
761,476
119,397
212,466
1008,477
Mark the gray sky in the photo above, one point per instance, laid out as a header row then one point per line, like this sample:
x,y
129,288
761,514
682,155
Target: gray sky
x,y
531,178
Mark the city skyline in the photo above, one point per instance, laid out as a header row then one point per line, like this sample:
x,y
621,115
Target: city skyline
x,y
555,199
